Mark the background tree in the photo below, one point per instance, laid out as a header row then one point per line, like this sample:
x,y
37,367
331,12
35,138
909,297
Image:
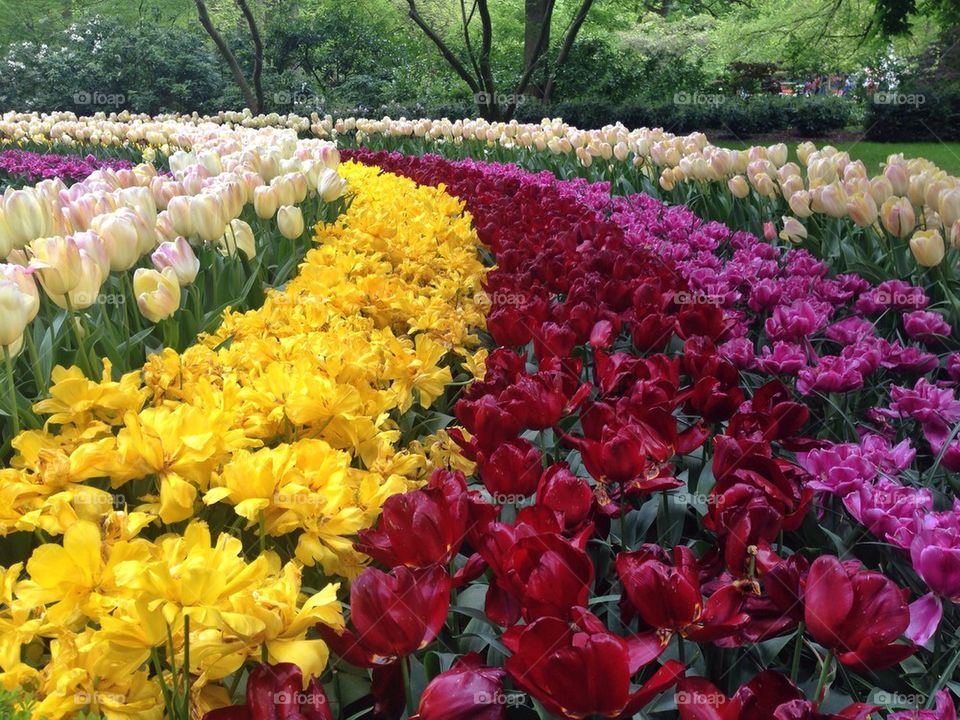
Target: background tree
x,y
475,67
252,97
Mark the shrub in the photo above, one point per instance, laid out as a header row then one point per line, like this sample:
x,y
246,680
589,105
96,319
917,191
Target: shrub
x,y
912,114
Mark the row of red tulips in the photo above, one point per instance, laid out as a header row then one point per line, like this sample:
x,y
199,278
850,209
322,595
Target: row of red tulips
x,y
637,520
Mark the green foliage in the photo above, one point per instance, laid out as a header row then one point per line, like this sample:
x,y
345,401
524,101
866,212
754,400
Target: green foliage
x,y
914,113
102,64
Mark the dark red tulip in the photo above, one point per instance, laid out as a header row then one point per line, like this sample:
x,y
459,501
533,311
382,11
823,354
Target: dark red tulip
x,y
754,498
566,494
467,691
554,340
859,614
276,692
394,614
490,423
423,527
579,668
535,576
668,598
515,323
651,331
769,696
513,470
630,456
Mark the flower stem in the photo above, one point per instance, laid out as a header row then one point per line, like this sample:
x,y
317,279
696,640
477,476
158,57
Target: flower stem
x,y
407,690
11,390
822,681
797,648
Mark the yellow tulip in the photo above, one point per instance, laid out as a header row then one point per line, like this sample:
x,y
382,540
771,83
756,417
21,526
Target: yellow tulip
x,y
238,236
27,214
118,230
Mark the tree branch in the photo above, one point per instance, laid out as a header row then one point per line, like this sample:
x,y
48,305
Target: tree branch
x,y
567,45
448,55
466,32
248,96
257,50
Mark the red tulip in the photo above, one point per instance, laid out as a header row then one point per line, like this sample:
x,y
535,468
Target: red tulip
x,y
423,527
567,495
467,691
535,576
513,469
859,614
394,614
580,668
668,597
754,498
489,422
275,692
769,696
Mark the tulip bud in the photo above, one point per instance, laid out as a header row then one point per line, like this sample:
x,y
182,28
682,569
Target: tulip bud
x,y
56,261
862,209
738,186
777,154
833,200
667,181
178,215
157,293
898,216
331,186
800,204
206,216
21,277
290,222
881,189
769,232
804,150
179,256
896,172
793,230
927,247
28,215
949,206
15,308
87,290
92,244
119,234
238,236
265,202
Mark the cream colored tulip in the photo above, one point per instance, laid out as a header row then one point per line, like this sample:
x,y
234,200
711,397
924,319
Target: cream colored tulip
x,y
238,236
793,230
898,216
290,222
927,247
157,293
56,261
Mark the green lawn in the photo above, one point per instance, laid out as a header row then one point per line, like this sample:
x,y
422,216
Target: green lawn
x,y
945,155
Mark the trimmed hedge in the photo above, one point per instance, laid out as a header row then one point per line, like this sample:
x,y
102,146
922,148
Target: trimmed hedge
x,y
917,114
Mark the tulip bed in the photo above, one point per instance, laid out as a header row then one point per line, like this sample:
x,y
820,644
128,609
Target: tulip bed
x,y
192,516
506,446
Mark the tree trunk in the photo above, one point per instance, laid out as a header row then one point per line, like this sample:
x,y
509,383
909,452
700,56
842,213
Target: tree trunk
x,y
249,97
536,24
